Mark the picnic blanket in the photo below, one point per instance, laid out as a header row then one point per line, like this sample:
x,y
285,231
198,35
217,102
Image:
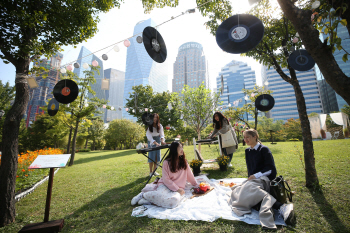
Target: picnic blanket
x,y
209,207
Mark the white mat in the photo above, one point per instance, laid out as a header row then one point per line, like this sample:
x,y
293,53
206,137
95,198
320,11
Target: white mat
x,y
208,208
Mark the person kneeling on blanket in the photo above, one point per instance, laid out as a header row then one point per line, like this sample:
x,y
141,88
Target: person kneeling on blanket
x,y
261,169
168,190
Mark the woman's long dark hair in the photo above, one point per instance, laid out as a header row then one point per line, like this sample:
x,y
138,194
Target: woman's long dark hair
x,y
218,124
176,162
157,124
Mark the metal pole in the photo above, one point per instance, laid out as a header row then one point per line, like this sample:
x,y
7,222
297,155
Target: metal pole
x,y
48,196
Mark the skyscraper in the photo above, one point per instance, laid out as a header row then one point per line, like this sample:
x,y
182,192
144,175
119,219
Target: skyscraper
x,y
332,101
236,75
190,67
140,67
115,93
38,96
284,95
85,56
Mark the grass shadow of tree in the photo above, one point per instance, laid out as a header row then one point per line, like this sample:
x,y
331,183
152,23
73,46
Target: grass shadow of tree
x,y
104,156
327,210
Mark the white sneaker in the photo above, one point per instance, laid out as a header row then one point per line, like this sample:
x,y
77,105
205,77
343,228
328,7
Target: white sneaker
x,y
136,199
143,201
230,165
156,173
288,214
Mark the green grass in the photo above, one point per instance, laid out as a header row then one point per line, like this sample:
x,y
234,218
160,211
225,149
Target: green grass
x,y
94,195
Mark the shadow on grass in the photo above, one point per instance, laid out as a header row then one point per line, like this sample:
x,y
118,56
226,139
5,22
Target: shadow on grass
x,y
109,212
327,211
105,156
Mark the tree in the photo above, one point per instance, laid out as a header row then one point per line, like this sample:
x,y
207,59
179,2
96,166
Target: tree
x,y
143,97
198,107
322,52
96,131
7,94
241,114
292,129
123,133
267,124
273,51
346,110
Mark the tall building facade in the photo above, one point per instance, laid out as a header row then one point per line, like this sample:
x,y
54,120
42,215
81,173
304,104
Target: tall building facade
x,y
236,76
332,101
115,93
285,101
40,95
85,56
140,67
190,67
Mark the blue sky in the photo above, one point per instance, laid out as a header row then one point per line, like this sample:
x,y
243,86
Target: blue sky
x,y
118,24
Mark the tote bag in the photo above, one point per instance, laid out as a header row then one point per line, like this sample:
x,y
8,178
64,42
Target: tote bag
x,y
227,139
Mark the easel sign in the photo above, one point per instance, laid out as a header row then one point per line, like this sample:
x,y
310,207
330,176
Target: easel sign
x,y
52,162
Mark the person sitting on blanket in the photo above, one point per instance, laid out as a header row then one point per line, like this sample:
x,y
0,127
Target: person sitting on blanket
x,y
261,169
168,190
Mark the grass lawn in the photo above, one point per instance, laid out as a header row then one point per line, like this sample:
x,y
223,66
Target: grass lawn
x,y
94,194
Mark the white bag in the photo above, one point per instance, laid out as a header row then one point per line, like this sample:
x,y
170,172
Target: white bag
x,y
227,139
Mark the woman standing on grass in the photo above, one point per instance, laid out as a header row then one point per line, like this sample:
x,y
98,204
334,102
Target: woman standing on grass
x,y
255,191
176,172
221,126
155,136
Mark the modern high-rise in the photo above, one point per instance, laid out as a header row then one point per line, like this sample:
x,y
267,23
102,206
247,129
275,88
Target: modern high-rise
x,y
236,76
85,56
285,101
190,67
140,67
115,93
331,100
40,95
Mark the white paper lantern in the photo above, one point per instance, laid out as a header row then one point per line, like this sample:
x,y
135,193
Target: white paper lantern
x,y
297,34
229,105
116,48
133,110
315,5
151,110
112,108
63,70
86,105
85,65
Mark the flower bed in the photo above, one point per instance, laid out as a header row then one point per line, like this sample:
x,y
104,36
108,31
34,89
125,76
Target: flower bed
x,y
28,177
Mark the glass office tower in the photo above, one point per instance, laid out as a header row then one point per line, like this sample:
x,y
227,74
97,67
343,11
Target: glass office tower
x,y
284,95
38,96
190,67
140,67
236,75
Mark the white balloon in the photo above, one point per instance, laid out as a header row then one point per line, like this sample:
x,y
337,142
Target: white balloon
x,y
85,65
116,48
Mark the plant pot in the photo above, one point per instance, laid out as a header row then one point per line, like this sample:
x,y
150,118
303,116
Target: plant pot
x,y
223,167
196,170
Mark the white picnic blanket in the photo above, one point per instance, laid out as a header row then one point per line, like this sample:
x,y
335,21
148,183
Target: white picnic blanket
x,y
209,207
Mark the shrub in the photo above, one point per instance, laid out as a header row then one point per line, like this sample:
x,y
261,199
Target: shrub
x,y
84,150
293,139
346,132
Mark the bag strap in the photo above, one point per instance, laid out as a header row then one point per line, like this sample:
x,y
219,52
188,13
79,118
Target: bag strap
x,y
289,191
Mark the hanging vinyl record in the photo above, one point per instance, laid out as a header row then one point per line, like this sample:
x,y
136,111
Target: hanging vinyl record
x,y
154,44
264,102
301,60
240,33
147,118
66,91
53,107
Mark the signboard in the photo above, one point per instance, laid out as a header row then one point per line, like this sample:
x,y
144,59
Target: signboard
x,y
50,161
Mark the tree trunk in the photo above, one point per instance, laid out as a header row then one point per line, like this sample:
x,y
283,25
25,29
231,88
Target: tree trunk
x,y
199,145
86,143
69,139
318,50
93,144
74,143
9,156
309,155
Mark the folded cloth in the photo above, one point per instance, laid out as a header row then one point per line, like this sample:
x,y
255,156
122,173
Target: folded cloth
x,y
209,207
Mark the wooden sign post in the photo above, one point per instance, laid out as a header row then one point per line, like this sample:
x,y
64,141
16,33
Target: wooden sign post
x,y
52,162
